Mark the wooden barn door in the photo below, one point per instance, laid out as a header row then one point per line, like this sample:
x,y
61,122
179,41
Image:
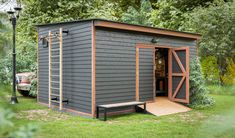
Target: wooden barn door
x,y
145,77
178,74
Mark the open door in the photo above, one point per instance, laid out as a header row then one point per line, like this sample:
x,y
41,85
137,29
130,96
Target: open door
x,y
178,74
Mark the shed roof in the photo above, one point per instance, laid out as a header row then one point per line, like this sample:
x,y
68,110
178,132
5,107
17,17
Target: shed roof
x,y
131,27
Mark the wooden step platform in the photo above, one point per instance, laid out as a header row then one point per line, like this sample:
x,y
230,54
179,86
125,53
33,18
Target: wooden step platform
x,y
163,106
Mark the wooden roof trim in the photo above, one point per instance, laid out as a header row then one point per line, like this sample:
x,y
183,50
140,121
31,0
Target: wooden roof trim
x,y
129,27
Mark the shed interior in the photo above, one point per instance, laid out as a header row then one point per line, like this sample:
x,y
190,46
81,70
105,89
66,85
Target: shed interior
x,y
161,71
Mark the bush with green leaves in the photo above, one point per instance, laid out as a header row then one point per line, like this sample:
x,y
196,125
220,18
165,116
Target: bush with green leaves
x,y
210,70
6,125
229,76
25,60
198,93
33,81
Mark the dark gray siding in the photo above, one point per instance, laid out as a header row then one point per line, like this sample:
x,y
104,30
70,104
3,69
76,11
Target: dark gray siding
x,y
115,62
146,74
76,64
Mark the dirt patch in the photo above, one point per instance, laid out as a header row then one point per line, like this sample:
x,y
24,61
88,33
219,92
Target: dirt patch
x,y
42,115
192,117
188,117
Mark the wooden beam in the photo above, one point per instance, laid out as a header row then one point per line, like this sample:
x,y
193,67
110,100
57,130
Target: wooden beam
x,y
178,87
154,77
178,74
37,68
170,73
178,61
49,87
93,70
140,45
187,73
61,67
137,96
145,29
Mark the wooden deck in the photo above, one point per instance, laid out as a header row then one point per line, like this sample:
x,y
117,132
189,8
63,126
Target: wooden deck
x,y
163,106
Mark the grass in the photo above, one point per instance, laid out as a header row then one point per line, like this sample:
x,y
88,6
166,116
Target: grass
x,y
216,121
222,90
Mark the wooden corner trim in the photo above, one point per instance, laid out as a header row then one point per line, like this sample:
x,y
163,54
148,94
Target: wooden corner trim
x,y
137,98
137,28
37,68
93,70
187,73
170,73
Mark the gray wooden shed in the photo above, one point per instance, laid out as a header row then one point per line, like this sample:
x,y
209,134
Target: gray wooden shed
x,y
86,63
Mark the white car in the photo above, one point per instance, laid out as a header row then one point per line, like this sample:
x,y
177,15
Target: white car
x,y
23,83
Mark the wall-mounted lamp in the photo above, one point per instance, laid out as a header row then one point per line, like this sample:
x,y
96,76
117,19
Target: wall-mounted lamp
x,y
154,40
44,42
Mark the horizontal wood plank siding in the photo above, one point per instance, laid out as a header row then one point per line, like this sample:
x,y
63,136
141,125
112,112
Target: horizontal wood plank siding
x,y
115,63
76,64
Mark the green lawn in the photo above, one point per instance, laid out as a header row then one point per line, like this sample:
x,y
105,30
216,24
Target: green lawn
x,y
216,121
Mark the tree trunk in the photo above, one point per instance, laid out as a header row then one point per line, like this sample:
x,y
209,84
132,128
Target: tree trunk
x,y
222,65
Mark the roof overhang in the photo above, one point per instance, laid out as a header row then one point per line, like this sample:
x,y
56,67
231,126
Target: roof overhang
x,y
145,29
132,27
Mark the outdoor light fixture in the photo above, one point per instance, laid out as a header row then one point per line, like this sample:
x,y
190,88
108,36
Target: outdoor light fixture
x,y
13,16
44,42
154,40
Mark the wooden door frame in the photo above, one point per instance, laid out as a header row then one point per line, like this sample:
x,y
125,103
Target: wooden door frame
x,y
153,46
149,46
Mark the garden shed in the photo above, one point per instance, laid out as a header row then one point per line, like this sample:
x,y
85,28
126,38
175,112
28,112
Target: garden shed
x,y
85,63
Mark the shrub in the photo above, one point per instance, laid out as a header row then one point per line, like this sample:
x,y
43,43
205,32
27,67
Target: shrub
x,y
222,90
210,69
6,125
229,76
33,80
198,92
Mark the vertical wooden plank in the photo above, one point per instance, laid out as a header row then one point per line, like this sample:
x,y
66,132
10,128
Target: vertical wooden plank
x,y
93,62
154,77
49,53
137,97
187,74
37,68
61,68
197,47
170,73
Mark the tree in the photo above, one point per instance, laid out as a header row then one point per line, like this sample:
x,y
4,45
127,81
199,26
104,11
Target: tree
x,y
41,12
5,32
105,10
216,24
141,16
166,15
170,13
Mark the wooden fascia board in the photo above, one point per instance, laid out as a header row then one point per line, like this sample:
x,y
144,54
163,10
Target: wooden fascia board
x,y
145,29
